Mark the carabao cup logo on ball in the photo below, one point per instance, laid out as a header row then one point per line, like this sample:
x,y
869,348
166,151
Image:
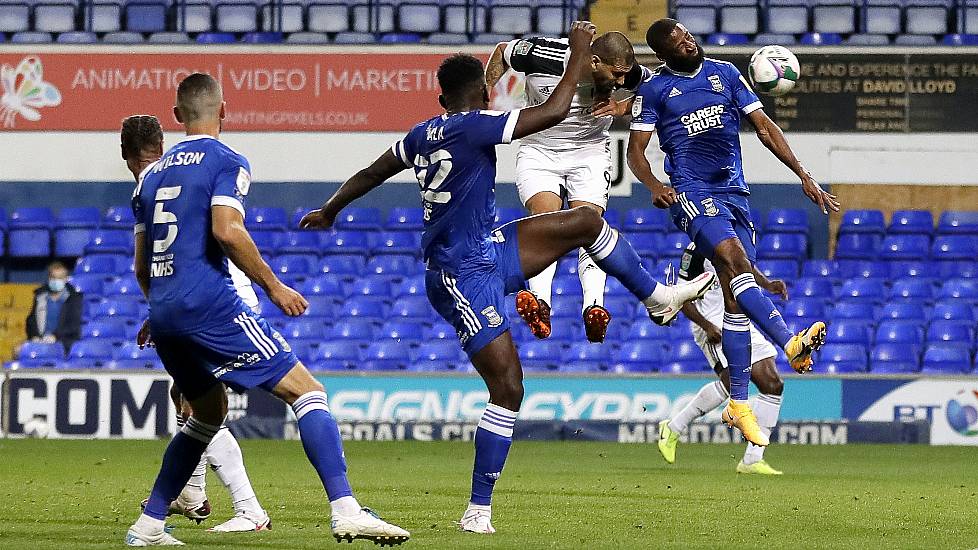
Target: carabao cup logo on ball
x,y
962,413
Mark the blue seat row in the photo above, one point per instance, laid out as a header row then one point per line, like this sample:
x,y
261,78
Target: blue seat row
x,y
950,222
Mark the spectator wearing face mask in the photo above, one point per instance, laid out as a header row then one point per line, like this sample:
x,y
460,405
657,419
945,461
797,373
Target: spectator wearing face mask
x,y
57,311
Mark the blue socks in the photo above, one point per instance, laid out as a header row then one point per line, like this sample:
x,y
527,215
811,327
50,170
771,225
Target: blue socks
x,y
736,348
321,441
179,461
616,257
493,438
759,308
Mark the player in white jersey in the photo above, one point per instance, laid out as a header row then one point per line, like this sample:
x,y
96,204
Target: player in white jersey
x,y
142,145
707,317
572,159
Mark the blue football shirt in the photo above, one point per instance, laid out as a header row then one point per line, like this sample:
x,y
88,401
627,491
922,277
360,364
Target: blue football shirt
x,y
190,287
697,119
454,159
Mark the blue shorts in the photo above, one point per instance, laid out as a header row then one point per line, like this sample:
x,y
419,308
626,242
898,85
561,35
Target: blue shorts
x,y
243,354
473,301
710,219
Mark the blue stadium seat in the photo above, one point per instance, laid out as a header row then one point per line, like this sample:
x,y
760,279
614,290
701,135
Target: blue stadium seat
x,y
307,328
779,269
102,264
78,217
820,39
146,16
29,243
955,247
413,307
858,246
912,289
122,37
965,290
640,220
400,38
419,17
540,355
867,40
849,309
946,359
405,218
782,246
336,356
345,242
903,311
925,271
347,266
786,220
862,221
828,269
91,353
32,217
952,311
89,284
110,241
123,309
31,37
359,218
37,354
77,37
15,17
964,39
613,287
963,269
323,285
319,306
850,332
71,242
295,264
440,330
895,358
445,351
724,39
352,330
834,16
686,357
905,247
370,286
900,332
926,19
263,37
505,215
123,286
653,245
385,356
131,352
958,222
951,332
105,329
405,331
863,269
787,16
394,265
411,286
582,353
567,285
646,330
911,221
398,242
267,218
54,17
301,242
699,18
641,356
673,245
216,38
118,217
267,241
841,358
739,17
809,287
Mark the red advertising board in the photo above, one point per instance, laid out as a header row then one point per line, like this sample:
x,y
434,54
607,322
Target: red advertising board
x,y
286,92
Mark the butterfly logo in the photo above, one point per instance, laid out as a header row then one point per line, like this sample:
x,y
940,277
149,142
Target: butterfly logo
x,y
25,91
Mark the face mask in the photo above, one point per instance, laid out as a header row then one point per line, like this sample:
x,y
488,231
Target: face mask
x,y
56,285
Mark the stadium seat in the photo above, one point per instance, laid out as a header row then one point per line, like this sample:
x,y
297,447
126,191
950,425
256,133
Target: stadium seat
x,y
962,269
946,359
782,246
346,266
54,17
834,16
405,331
863,269
412,307
400,38
642,356
779,269
77,217
359,218
397,242
699,18
354,38
89,284
505,215
894,358
71,242
911,221
352,330
653,245
105,329
118,217
646,330
301,242
841,358
406,219
952,311
641,220
673,245
267,241
787,16
102,264
29,243
926,19
90,353
739,17
31,37
881,17
958,222
786,220
282,17
328,17
445,351
828,269
38,354
146,16
336,356
123,37
820,39
912,289
411,286
306,328
965,290
370,286
905,247
294,264
849,309
440,330
805,307
110,241
862,221
584,353
724,39
848,331
345,242
307,38
169,38
31,217
266,218
858,246
903,311
769,38
510,19
387,355
817,288
130,356
900,332
540,355
323,285
925,271
122,309
394,265
15,17
216,38
419,17
867,40
77,37
955,247
915,40
951,332
319,306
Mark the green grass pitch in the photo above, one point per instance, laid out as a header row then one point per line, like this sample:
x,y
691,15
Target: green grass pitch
x,y
84,494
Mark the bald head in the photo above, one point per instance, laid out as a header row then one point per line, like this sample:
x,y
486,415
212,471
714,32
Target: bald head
x,y
199,99
614,48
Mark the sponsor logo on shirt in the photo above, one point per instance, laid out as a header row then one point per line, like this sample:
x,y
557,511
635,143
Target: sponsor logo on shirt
x,y
702,120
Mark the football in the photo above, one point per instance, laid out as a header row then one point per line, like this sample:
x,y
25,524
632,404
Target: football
x,y
773,70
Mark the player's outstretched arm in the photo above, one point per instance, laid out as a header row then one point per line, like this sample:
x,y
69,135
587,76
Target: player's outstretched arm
x,y
227,226
555,109
384,168
772,137
496,66
638,141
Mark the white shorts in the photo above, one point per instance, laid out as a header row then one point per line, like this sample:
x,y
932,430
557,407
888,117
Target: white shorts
x,y
760,347
584,173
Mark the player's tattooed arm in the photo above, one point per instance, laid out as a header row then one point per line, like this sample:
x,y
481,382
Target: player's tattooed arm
x,y
772,137
555,109
638,141
496,66
384,168
227,226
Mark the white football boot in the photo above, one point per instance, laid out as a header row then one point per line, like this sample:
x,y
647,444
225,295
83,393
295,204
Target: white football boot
x,y
477,519
243,522
136,537
367,525
682,293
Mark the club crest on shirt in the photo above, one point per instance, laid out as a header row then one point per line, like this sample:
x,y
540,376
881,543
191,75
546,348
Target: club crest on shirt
x,y
522,47
716,82
709,207
492,316
637,106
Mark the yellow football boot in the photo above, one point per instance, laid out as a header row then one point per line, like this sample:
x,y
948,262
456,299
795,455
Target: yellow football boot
x,y
801,346
740,416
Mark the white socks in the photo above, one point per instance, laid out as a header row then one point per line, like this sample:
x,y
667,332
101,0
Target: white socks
x,y
592,279
542,285
708,398
767,408
224,456
344,506
662,297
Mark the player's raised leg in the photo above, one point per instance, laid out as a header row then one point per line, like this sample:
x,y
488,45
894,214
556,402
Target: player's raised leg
x,y
767,408
324,448
225,459
543,239
593,278
533,304
181,457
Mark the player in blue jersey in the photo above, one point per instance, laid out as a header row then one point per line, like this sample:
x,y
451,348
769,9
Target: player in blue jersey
x,y
694,104
470,266
189,209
